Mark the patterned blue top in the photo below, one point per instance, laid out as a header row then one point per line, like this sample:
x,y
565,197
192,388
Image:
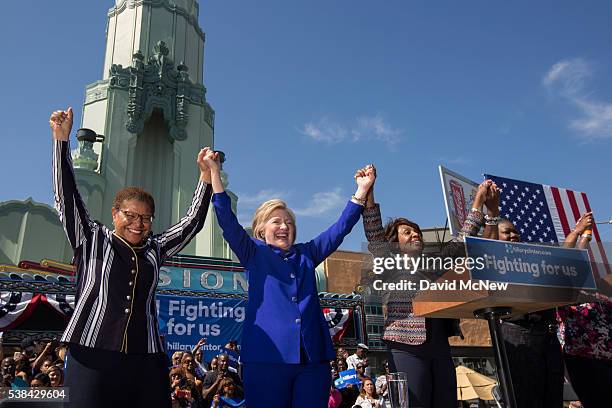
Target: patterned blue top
x,y
283,309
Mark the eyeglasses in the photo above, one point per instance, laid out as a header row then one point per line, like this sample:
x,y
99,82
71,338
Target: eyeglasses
x,y
131,217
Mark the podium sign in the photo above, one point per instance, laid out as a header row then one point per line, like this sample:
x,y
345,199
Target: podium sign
x,y
523,277
529,264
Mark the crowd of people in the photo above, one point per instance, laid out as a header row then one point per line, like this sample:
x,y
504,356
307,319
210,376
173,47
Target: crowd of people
x,y
195,383
371,389
35,364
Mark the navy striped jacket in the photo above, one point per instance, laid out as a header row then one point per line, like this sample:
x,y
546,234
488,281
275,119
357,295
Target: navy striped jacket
x,y
115,303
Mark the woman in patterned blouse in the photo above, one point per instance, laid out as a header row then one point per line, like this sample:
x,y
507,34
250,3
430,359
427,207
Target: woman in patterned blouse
x,y
584,331
416,345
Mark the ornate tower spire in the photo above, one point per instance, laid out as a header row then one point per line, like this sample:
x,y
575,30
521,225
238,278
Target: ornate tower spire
x,y
151,106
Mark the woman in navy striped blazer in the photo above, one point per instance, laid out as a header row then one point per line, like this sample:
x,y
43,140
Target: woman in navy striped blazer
x,y
115,355
286,346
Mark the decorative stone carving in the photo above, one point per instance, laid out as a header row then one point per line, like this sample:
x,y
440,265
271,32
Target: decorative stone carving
x,y
157,84
96,92
190,13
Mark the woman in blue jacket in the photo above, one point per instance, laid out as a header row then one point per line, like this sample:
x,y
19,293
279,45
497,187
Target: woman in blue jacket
x,y
286,347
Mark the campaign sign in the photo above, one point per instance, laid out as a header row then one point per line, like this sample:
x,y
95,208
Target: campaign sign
x,y
529,264
347,377
184,320
459,193
234,358
201,279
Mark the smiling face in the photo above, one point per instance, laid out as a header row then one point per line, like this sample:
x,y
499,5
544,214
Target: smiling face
x,y
188,363
409,239
222,362
507,232
279,229
132,219
176,358
55,376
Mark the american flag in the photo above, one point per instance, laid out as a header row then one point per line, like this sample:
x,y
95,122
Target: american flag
x,y
546,214
338,321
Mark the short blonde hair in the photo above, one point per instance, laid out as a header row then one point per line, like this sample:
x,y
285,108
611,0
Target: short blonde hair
x,y
262,215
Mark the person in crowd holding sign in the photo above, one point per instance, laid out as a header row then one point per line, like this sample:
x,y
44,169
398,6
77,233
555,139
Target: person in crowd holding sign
x,y
586,333
213,379
416,345
530,340
113,332
230,395
182,395
368,398
285,335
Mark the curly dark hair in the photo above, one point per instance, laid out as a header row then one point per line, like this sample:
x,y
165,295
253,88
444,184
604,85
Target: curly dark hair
x,y
134,193
394,223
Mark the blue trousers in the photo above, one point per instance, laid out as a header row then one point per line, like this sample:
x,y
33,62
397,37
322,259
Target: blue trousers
x,y
286,385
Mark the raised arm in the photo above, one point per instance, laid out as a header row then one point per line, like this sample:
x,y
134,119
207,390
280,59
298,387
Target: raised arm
x,y
68,202
583,224
488,195
372,223
239,241
329,240
175,238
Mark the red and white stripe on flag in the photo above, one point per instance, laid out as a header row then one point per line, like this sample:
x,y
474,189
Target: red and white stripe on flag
x,y
338,321
15,307
566,207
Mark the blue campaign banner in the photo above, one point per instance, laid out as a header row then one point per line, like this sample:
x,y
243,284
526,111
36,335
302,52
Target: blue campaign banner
x,y
203,279
184,320
529,264
347,377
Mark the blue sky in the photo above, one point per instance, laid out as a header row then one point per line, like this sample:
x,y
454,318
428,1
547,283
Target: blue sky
x,y
305,92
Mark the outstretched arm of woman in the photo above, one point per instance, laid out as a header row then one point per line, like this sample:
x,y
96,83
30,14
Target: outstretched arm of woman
x,y
175,238
372,220
68,202
488,195
329,240
237,238
584,223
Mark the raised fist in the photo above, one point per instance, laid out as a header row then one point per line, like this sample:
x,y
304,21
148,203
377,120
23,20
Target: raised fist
x,y
61,124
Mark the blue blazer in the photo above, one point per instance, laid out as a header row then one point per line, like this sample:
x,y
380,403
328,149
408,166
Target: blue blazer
x,y
283,308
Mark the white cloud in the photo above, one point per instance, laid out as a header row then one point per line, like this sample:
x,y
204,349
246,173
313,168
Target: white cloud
x,y
325,131
247,203
375,127
568,79
322,202
597,119
254,200
363,128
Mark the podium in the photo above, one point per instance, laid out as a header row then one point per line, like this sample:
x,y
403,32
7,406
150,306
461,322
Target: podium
x,y
491,295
